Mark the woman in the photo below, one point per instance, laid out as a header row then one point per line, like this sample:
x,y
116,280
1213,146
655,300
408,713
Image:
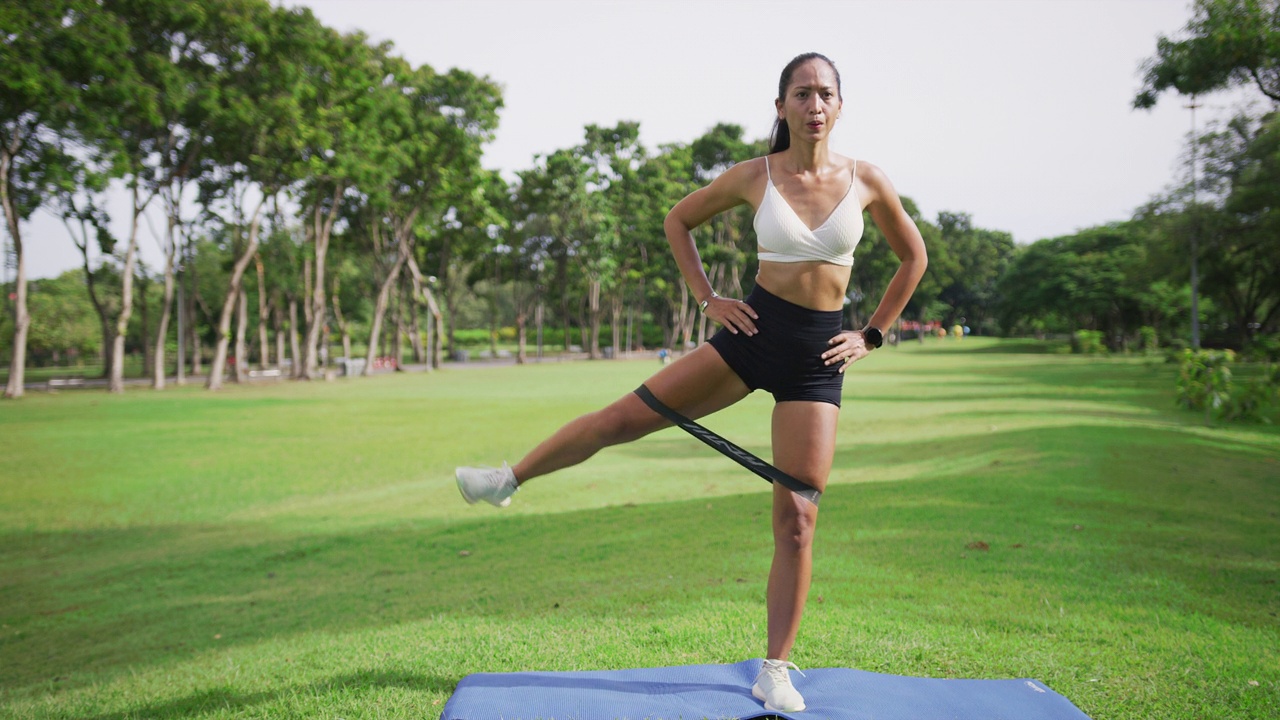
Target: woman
x,y
785,337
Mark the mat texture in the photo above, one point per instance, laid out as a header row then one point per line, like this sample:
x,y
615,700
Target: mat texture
x,y
718,692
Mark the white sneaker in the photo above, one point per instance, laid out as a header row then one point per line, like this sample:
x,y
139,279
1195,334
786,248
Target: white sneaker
x,y
773,687
493,485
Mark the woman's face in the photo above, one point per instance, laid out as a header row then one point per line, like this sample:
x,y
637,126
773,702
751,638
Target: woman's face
x,y
812,102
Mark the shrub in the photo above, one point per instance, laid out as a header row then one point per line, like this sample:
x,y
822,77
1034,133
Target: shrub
x,y
1088,342
1148,340
1205,382
1265,348
1256,401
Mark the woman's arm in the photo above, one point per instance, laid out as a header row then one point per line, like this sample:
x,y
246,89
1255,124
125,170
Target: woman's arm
x,y
904,239
727,191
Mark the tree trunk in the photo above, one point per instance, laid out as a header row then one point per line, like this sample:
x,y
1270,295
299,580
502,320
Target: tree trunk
x,y
81,241
397,342
162,330
240,373
193,301
145,315
21,319
593,317
415,339
521,336
218,366
278,313
321,233
616,307
294,347
379,310
264,345
435,324
343,327
116,382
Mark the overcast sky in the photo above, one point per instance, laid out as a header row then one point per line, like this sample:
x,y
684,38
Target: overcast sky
x,y
1015,111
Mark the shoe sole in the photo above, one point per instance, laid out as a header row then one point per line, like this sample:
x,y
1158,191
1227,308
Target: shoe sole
x,y
758,694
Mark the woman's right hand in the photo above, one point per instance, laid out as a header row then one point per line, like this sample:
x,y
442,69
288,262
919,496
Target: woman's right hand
x,y
735,315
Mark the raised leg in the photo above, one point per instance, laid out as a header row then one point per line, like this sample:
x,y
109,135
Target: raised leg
x,y
696,385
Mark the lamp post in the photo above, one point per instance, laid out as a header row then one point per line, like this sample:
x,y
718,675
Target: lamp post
x,y
1195,232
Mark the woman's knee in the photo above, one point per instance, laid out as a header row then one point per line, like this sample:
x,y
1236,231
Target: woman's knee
x,y
623,421
795,523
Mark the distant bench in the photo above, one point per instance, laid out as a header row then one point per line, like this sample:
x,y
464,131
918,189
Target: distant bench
x,y
65,382
269,373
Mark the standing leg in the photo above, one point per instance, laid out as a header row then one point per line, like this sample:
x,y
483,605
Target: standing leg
x,y
804,436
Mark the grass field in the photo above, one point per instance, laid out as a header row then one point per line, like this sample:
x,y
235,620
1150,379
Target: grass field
x,y
300,550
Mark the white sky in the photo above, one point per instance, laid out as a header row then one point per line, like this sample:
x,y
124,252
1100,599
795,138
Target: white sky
x,y
1015,111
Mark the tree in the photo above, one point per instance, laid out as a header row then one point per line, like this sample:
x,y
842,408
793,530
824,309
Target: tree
x,y
1240,258
1078,282
433,150
729,250
977,258
182,47
56,56
63,326
1227,43
665,178
255,134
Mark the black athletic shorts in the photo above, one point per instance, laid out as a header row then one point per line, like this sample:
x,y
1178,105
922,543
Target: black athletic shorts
x,y
785,356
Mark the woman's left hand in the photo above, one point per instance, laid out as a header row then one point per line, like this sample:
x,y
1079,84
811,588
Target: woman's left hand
x,y
846,348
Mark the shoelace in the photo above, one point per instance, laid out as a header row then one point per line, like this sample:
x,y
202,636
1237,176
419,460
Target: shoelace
x,y
498,478
778,671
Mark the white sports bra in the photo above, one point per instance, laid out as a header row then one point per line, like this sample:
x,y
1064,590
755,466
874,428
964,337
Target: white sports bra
x,y
783,236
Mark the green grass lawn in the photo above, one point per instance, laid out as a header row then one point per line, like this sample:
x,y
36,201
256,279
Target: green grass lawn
x,y
300,550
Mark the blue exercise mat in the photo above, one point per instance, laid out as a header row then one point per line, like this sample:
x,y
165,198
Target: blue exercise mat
x,y
718,692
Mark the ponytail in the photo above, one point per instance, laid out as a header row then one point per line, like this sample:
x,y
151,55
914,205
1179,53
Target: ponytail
x,y
780,138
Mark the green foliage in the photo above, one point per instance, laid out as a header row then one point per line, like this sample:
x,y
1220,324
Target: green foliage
x,y
1087,342
1257,399
1149,339
1089,280
1265,349
1226,43
1204,381
975,261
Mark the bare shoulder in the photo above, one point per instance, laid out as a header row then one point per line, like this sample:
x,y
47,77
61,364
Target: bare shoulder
x,y
876,183
740,184
744,182
746,174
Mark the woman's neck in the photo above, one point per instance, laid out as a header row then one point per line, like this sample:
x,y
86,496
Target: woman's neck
x,y
809,157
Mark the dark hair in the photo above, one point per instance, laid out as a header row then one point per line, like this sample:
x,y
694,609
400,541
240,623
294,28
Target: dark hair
x,y
780,138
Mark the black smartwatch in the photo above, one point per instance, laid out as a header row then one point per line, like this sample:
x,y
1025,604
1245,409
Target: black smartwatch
x,y
872,337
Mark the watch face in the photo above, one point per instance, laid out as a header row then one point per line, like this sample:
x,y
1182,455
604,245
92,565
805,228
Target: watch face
x,y
872,336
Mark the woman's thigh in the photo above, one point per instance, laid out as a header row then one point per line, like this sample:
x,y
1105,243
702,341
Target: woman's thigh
x,y
804,440
698,384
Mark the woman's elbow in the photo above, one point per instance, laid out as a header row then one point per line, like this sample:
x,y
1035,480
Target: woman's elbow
x,y
675,221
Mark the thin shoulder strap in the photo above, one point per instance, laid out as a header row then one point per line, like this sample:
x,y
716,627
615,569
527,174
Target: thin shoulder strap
x,y
766,170
854,176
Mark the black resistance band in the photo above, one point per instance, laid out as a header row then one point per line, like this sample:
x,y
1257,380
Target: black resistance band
x,y
729,450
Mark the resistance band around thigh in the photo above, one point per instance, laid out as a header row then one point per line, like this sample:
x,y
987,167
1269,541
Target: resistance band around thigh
x,y
730,450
